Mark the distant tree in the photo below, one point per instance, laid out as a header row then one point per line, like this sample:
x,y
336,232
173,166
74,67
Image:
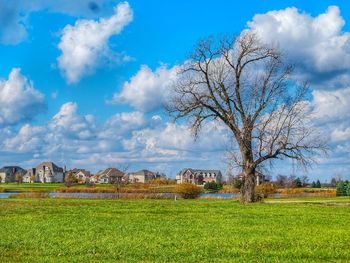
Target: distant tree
x,y
281,181
304,180
318,184
335,180
19,178
70,179
313,184
32,179
296,183
343,188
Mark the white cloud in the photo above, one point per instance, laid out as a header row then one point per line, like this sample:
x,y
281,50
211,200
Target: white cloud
x,y
147,90
68,122
29,138
331,105
317,45
85,45
121,124
19,100
341,135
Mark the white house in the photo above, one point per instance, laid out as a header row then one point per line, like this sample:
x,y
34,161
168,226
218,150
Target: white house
x,y
48,172
142,176
108,176
197,176
8,173
82,175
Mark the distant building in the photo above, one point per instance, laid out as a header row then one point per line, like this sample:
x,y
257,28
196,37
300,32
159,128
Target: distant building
x,y
260,178
29,176
48,172
108,176
197,176
142,176
8,173
82,175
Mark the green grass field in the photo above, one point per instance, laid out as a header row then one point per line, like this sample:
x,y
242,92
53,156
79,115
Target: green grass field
x,y
76,230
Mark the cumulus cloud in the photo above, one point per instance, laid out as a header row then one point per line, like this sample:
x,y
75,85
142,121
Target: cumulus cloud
x,y
147,90
317,45
85,45
331,113
68,122
19,100
173,139
121,124
29,138
331,105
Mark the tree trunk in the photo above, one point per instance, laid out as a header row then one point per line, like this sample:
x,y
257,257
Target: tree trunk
x,y
248,188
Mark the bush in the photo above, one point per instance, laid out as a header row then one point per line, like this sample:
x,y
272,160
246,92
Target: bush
x,y
237,183
187,190
70,179
266,189
343,188
212,186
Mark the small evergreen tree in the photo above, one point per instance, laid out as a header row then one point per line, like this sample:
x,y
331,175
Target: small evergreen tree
x,y
297,182
318,184
313,184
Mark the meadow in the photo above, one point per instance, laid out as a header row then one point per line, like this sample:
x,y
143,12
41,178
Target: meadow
x,y
83,230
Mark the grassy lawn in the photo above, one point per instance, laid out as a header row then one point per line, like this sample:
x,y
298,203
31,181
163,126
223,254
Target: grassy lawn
x,y
76,230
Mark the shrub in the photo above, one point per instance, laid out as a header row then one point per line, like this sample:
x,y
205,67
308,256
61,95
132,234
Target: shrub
x,y
318,184
266,189
343,188
237,183
70,179
187,190
212,186
296,183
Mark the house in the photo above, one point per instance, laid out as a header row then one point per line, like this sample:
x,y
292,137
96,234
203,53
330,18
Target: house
x,y
108,176
82,175
29,176
8,173
48,172
260,178
197,176
142,176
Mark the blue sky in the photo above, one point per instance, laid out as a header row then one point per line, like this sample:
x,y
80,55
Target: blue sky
x,y
101,107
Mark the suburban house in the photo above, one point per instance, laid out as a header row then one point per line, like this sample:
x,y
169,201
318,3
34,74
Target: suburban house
x,y
48,172
8,173
260,178
29,176
82,175
142,176
108,176
198,177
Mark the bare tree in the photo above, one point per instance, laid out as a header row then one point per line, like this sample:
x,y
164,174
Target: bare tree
x,y
246,85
